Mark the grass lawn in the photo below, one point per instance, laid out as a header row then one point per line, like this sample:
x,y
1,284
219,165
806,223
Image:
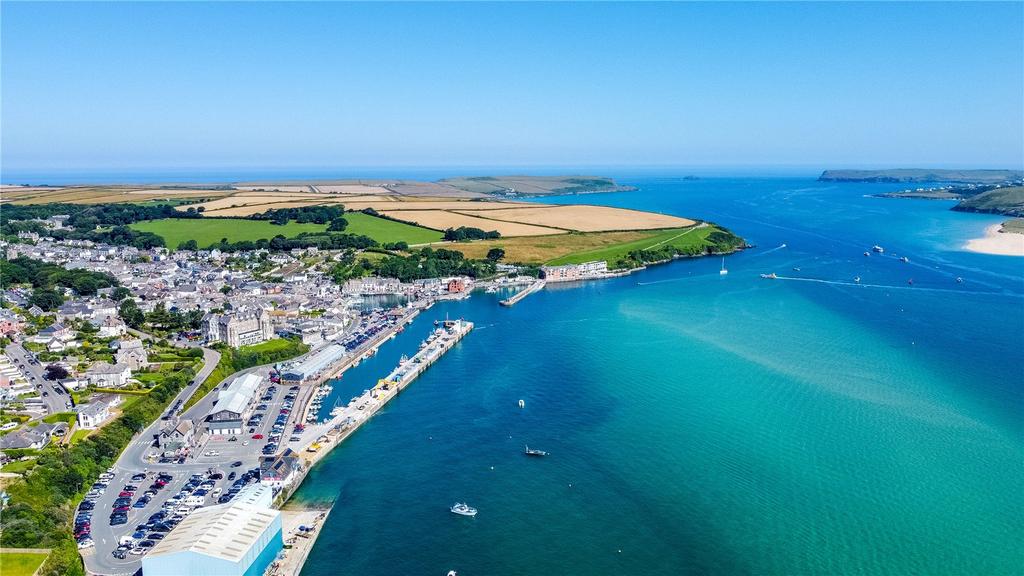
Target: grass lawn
x,y
207,231
384,231
269,346
18,467
679,237
79,435
68,417
542,249
20,564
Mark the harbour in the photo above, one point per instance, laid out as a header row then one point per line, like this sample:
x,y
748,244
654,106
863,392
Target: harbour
x,y
319,439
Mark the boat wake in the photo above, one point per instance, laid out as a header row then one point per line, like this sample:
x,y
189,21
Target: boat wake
x,y
915,288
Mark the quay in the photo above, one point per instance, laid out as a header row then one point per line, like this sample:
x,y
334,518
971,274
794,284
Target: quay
x,y
300,529
512,300
319,439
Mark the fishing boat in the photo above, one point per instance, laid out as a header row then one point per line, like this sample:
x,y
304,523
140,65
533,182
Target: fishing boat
x,y
877,248
723,271
529,452
771,276
463,509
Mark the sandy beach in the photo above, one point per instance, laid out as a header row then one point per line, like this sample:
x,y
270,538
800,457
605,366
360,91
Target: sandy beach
x,y
997,242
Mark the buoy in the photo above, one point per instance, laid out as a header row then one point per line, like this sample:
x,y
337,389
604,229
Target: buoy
x,y
522,403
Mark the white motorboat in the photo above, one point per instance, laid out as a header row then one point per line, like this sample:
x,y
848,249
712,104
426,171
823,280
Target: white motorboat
x,y
463,509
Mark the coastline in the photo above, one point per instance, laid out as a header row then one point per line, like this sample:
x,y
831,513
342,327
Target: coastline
x,y
998,242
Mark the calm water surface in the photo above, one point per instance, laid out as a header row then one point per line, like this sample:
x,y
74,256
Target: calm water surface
x,y
703,424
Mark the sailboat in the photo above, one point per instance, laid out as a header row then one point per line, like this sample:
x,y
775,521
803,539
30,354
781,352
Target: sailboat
x,y
723,271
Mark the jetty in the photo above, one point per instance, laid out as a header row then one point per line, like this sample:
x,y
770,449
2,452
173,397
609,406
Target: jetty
x,y
512,300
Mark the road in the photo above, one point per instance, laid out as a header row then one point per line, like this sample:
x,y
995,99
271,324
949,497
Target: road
x,y
54,397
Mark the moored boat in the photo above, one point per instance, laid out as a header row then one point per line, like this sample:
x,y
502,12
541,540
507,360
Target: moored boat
x,y
530,452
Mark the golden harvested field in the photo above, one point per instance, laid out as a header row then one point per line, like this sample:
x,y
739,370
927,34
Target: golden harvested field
x,y
101,194
585,218
169,192
440,220
464,206
276,188
541,249
256,208
358,189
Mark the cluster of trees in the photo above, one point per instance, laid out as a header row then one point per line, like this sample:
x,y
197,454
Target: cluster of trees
x,y
424,263
160,319
323,241
163,320
88,217
464,233
305,214
42,504
45,278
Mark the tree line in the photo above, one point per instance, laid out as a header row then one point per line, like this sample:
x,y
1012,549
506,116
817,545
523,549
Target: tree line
x,y
45,278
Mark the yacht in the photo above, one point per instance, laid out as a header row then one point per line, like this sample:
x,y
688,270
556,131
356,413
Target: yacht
x,y
463,509
959,280
771,276
529,452
877,248
723,271
856,279
866,253
904,259
522,403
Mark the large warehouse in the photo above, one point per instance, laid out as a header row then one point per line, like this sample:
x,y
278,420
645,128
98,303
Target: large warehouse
x,y
314,367
240,538
228,413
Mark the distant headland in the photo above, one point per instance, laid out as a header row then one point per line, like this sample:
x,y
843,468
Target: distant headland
x,y
922,175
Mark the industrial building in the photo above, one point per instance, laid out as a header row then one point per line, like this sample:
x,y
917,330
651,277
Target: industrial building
x,y
240,538
228,413
314,367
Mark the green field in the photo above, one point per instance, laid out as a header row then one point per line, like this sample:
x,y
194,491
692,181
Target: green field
x,y
384,231
207,231
678,237
20,564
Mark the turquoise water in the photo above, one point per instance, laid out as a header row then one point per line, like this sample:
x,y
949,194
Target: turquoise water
x,y
703,424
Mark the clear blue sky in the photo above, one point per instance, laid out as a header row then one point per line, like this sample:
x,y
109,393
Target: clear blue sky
x,y
130,86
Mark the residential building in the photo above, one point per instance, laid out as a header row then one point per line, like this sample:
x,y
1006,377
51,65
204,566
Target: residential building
x,y
108,375
240,328
132,353
372,285
573,272
93,415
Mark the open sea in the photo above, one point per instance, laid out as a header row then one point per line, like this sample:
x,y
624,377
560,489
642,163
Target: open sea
x,y
707,424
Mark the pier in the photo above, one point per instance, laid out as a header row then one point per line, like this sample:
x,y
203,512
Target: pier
x,y
512,300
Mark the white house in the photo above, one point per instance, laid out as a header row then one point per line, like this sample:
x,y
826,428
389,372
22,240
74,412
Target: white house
x,y
93,415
